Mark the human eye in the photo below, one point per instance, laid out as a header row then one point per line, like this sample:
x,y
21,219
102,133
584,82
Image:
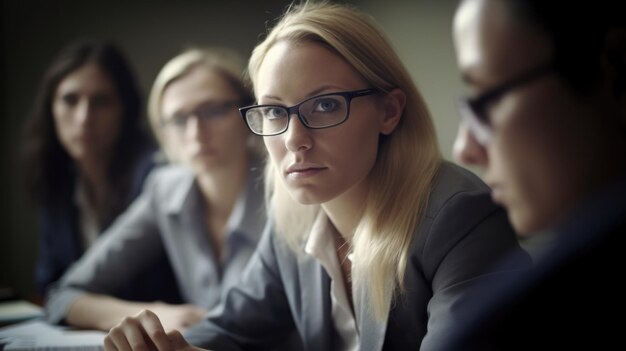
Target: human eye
x,y
70,99
211,111
328,104
178,121
274,112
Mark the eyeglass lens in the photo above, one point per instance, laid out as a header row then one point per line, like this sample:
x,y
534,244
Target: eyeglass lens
x,y
317,112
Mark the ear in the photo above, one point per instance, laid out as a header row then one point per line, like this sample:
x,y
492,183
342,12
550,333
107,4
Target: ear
x,y
394,102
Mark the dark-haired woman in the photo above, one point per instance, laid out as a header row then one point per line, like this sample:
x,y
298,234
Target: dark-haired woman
x,y
86,154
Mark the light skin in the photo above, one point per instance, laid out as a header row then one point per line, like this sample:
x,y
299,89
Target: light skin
x,y
87,113
215,151
548,146
326,166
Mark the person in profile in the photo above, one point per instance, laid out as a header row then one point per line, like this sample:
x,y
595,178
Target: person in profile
x,y
548,125
86,152
205,211
372,237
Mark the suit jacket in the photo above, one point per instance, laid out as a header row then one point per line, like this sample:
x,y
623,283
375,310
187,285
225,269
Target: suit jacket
x,y
61,244
572,298
462,234
167,220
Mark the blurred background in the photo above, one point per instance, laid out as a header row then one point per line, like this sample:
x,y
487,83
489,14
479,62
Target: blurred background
x,y
151,32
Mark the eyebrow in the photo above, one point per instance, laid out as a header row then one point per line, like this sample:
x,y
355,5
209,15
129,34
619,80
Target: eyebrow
x,y
310,94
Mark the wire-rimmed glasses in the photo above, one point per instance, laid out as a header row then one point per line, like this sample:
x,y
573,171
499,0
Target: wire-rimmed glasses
x,y
473,110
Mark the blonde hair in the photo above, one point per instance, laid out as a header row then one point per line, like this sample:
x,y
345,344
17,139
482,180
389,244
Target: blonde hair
x,y
407,161
227,63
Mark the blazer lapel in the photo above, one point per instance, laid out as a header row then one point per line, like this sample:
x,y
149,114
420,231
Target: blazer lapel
x,y
316,320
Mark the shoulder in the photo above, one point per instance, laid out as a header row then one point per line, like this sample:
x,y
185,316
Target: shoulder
x,y
144,162
460,209
167,182
454,183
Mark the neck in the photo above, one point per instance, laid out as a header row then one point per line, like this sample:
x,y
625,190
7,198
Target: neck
x,y
94,171
221,188
345,211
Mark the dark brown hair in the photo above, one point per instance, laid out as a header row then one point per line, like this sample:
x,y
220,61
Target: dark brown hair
x,y
578,30
50,171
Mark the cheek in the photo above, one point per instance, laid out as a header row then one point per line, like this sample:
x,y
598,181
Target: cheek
x,y
531,156
175,145
62,125
275,148
108,125
354,152
232,132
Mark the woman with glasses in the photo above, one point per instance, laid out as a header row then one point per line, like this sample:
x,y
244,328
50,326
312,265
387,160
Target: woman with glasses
x,y
86,154
552,142
205,212
372,238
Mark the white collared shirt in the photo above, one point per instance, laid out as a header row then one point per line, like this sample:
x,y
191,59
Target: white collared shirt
x,y
87,218
321,246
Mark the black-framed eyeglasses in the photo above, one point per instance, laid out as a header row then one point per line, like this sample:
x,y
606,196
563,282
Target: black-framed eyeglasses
x,y
205,112
317,112
473,110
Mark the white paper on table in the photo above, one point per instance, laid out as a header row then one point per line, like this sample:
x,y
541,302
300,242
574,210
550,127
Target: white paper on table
x,y
17,310
39,335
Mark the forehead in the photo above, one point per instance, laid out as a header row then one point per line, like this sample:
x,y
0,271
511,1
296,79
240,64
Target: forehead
x,y
199,85
292,71
89,77
489,41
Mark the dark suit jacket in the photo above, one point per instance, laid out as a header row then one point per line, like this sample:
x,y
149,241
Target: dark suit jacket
x,y
60,245
573,297
462,235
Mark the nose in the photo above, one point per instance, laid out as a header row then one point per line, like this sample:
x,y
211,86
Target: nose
x,y
195,129
297,137
467,150
82,111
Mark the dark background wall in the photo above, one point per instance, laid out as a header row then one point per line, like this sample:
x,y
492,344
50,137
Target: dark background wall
x,y
151,32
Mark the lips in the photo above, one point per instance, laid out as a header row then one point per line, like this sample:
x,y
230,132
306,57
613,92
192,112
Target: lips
x,y
303,170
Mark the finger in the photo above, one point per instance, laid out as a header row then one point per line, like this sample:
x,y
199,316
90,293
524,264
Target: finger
x,y
153,330
118,337
109,345
177,340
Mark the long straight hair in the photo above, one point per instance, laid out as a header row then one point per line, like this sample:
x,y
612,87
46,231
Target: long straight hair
x,y
50,170
407,161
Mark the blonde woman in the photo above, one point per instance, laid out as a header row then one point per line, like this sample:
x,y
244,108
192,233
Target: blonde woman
x,y
205,211
373,237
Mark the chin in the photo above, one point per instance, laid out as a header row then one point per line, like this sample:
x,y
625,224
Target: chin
x,y
305,196
526,224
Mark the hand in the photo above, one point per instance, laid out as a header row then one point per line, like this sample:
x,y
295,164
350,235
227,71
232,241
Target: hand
x,y
177,317
144,331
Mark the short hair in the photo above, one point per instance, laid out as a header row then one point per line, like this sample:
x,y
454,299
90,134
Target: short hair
x,y
407,160
49,168
577,30
223,61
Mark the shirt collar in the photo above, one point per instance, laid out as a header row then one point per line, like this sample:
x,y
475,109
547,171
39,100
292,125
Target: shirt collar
x,y
248,216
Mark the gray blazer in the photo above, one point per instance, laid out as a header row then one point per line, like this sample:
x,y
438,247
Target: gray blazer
x,y
461,236
167,218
